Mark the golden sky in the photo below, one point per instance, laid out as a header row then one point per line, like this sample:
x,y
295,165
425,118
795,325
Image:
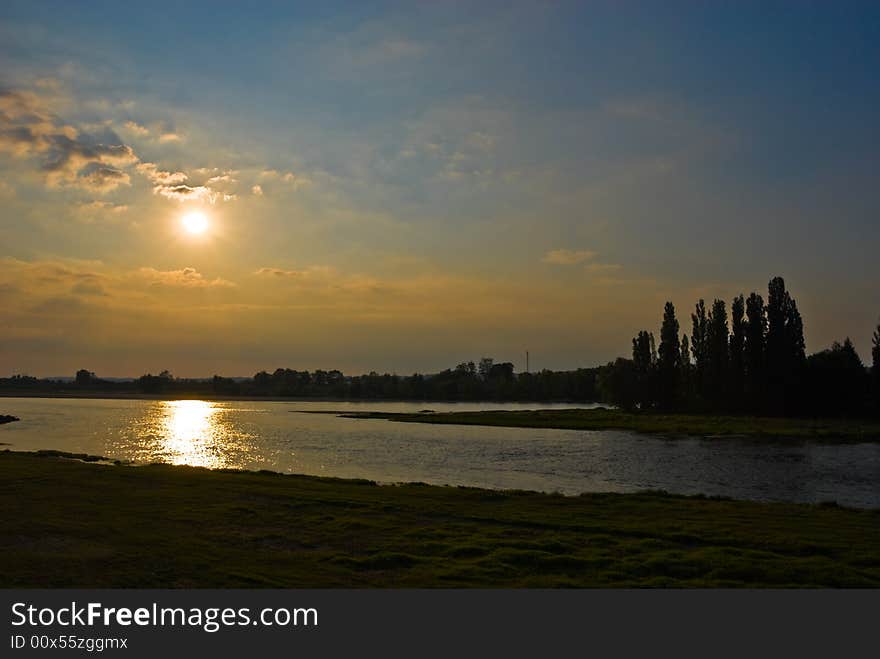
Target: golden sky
x,y
401,189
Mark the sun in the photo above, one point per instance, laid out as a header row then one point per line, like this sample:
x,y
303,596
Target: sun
x,y
194,223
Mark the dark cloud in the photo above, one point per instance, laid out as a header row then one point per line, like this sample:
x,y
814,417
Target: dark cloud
x,y
70,157
94,160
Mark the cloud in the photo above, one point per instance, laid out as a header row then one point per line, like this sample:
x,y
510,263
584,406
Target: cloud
x,y
137,129
568,256
88,165
222,178
185,277
278,272
310,271
257,190
184,192
159,131
94,161
294,180
103,179
70,157
160,177
171,185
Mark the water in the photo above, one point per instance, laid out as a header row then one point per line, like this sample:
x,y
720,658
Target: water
x,y
277,436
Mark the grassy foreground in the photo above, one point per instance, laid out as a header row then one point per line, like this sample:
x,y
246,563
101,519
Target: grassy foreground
x,y
72,524
669,424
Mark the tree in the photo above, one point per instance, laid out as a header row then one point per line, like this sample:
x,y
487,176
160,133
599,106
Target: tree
x,y
837,381
753,350
643,361
717,360
153,384
700,348
84,377
484,367
686,377
785,349
875,367
502,372
618,383
669,361
737,344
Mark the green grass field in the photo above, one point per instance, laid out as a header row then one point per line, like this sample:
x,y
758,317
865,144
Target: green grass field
x,y
668,424
68,523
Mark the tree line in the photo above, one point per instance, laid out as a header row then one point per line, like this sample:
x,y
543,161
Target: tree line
x,y
484,380
752,361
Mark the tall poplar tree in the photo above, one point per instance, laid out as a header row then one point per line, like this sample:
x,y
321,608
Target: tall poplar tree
x,y
718,358
669,361
700,349
875,367
785,349
643,360
737,344
753,351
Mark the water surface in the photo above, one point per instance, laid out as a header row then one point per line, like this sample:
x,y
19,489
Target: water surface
x,y
278,436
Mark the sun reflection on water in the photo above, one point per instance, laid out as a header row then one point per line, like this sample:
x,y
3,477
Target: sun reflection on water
x,y
192,433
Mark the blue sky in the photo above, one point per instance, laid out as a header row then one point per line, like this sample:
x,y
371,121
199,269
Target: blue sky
x,y
480,178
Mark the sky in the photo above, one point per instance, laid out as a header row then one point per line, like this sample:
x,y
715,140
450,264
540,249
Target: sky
x,y
404,186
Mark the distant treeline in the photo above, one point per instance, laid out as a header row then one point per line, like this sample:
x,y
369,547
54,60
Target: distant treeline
x,y
753,362
756,364
484,380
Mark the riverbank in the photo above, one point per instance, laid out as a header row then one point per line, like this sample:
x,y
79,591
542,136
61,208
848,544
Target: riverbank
x,y
68,523
853,430
206,396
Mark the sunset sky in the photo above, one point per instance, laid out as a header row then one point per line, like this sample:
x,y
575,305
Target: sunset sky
x,y
401,187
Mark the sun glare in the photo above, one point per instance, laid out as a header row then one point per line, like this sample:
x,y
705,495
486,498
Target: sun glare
x,y
194,222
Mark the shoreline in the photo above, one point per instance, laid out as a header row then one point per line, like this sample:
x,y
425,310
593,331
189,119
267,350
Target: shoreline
x,y
73,523
274,399
600,418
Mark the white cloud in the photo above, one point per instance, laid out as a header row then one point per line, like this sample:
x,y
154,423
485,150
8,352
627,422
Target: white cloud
x,y
183,192
136,129
152,172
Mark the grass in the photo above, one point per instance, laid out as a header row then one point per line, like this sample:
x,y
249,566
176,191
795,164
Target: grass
x,y
667,424
68,523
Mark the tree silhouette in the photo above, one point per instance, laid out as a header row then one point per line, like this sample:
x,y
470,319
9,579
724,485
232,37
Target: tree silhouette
x,y
618,383
737,345
686,377
669,360
785,349
875,366
700,347
643,361
717,363
837,380
84,377
754,349
484,367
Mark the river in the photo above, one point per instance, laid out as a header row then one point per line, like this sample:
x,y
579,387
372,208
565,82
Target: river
x,y
280,437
